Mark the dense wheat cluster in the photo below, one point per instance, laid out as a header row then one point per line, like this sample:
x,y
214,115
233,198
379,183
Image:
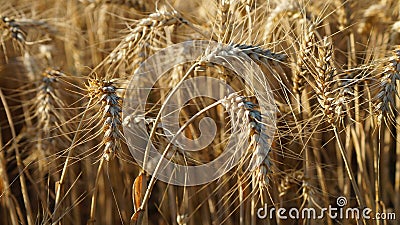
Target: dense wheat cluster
x,y
333,68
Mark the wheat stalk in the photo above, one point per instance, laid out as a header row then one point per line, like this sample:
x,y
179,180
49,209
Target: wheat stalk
x,y
106,93
6,193
324,89
242,113
224,17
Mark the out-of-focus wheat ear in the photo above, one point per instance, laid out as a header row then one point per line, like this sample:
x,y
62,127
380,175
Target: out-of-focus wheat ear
x,y
395,34
303,55
372,16
49,116
13,29
224,25
106,93
47,132
283,12
342,14
141,5
386,96
134,48
31,66
47,101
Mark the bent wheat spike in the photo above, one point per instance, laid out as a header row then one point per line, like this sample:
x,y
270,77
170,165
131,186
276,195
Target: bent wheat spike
x,y
244,112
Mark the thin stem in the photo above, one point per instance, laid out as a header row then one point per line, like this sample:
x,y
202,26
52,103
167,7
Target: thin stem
x,y
253,200
350,173
241,202
397,173
157,120
92,219
70,151
377,159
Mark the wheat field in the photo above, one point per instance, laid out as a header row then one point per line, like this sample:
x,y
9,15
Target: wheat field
x,y
330,131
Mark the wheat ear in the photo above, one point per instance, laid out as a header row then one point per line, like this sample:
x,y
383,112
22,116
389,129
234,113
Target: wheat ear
x,y
386,101
14,29
245,112
325,94
106,93
135,44
49,116
324,80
